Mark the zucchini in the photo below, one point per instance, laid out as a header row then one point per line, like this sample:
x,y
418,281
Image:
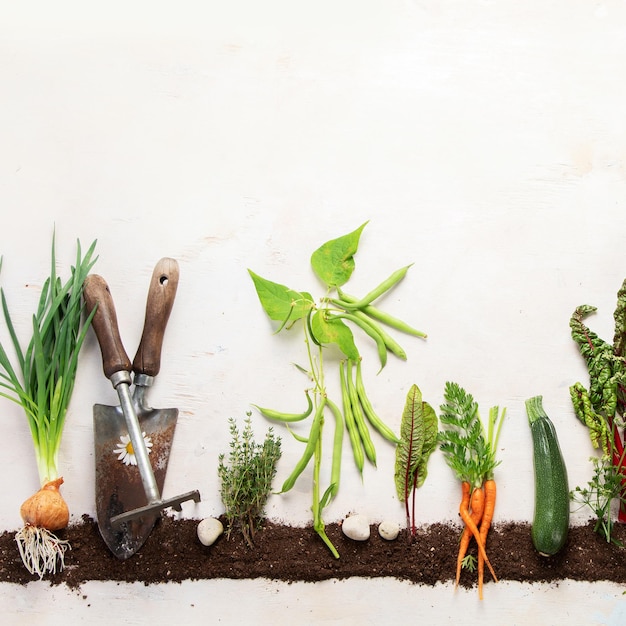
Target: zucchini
x,y
551,517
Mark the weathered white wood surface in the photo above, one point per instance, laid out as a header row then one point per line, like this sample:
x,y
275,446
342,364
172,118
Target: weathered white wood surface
x,y
358,601
483,140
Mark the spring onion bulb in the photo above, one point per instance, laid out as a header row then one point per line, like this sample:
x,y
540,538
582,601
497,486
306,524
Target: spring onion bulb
x,y
42,384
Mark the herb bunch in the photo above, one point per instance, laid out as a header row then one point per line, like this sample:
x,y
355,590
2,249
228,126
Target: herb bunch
x,y
602,490
246,479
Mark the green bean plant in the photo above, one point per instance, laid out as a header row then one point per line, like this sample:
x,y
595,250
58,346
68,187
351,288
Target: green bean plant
x,y
327,327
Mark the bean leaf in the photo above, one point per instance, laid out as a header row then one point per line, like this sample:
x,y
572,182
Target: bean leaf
x,y
329,329
281,303
418,434
333,262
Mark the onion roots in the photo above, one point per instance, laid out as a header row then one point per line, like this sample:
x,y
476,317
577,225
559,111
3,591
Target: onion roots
x,y
43,512
41,550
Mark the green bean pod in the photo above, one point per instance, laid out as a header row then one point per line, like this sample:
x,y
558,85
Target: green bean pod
x,y
369,411
335,472
351,427
390,343
378,291
310,328
372,330
300,438
346,301
286,417
359,419
314,435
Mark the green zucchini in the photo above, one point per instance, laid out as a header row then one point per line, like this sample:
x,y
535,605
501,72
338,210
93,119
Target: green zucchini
x,y
551,517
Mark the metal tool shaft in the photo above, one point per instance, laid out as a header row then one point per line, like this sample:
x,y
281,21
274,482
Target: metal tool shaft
x,y
121,382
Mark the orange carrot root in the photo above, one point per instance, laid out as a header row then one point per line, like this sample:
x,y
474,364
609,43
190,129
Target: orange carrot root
x,y
476,533
476,504
465,537
490,505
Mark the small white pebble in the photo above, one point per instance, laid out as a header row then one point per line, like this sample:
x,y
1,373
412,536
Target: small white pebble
x,y
389,530
209,529
356,527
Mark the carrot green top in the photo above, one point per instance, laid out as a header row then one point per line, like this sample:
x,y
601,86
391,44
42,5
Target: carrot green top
x,y
469,449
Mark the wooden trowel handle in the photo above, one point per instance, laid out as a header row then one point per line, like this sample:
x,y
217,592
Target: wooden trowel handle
x,y
158,307
114,357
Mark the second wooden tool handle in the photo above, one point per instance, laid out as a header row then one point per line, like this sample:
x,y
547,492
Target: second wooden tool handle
x,y
114,357
159,304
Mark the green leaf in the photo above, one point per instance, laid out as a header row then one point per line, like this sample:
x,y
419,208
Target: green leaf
x,y
330,329
599,432
429,444
603,367
418,439
333,262
281,303
43,380
619,315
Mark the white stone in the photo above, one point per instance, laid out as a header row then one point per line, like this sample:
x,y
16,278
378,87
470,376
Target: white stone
x,y
389,530
209,529
356,527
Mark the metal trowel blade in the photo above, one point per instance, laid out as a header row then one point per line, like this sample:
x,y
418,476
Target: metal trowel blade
x,y
119,487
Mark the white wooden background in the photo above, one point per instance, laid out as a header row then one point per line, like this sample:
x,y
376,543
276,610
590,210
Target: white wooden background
x,y
484,141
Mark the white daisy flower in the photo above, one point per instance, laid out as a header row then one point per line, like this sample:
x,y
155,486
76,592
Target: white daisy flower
x,y
125,452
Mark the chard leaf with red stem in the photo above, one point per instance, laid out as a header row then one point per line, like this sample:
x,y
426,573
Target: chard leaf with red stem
x,y
418,439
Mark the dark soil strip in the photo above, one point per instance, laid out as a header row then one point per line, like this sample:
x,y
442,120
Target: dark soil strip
x,y
173,553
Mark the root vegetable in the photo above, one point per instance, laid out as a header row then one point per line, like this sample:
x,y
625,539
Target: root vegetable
x,y
46,508
42,384
474,504
470,451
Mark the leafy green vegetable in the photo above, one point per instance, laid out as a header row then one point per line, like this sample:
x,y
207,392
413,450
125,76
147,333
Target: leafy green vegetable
x,y
601,409
605,369
418,439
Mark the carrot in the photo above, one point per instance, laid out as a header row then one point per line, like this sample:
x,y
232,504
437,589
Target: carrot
x,y
470,451
463,510
476,505
490,505
465,516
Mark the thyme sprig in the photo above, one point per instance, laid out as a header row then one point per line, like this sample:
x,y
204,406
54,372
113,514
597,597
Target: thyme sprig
x,y
246,479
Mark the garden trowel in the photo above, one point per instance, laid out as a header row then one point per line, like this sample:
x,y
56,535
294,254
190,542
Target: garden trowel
x,y
132,441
